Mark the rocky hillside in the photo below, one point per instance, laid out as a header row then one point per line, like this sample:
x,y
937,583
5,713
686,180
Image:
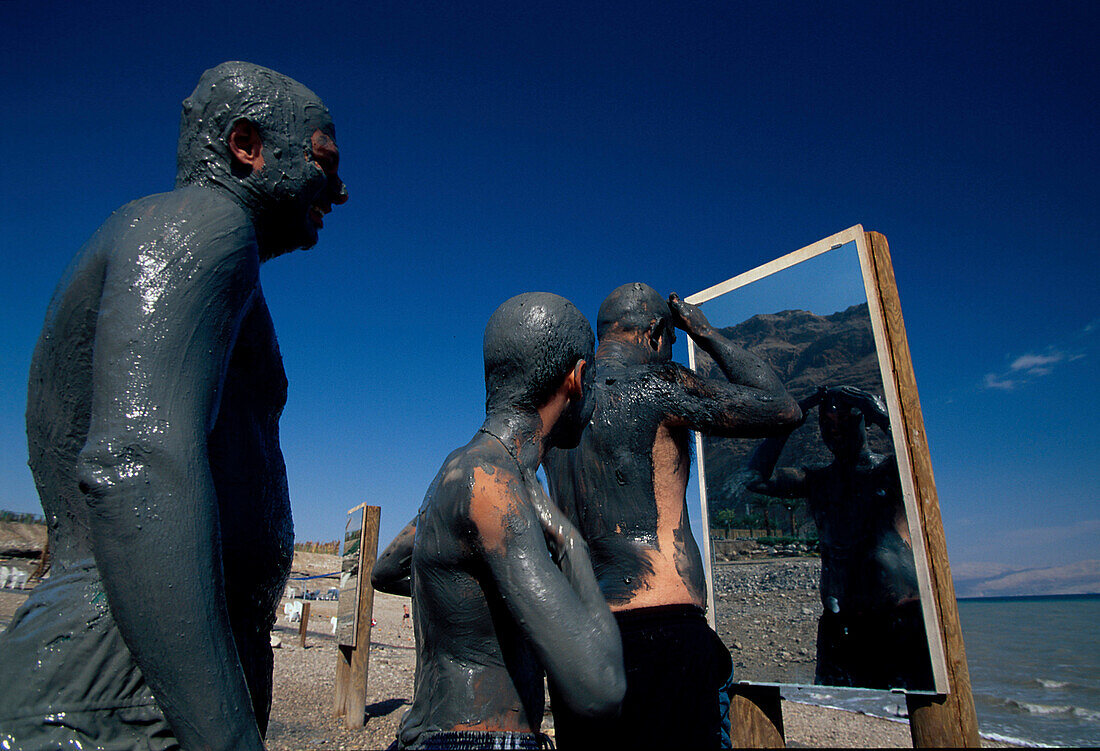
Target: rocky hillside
x,y
806,351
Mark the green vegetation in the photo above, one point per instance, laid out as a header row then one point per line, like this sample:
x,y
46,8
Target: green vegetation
x,y
782,540
20,518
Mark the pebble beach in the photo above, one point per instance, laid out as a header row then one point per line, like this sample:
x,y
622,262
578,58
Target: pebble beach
x,y
304,681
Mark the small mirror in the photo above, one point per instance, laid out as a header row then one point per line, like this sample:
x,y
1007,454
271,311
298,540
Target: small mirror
x,y
347,608
815,559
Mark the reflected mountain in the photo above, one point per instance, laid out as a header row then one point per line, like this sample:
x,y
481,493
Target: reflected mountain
x,y
806,351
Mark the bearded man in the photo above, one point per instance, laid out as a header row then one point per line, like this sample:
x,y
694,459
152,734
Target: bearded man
x,y
152,422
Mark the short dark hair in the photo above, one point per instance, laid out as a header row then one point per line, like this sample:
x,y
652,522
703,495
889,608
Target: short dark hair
x,y
631,307
532,342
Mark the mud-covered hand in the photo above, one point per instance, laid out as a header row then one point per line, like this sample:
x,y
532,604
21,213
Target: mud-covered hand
x,y
688,318
871,405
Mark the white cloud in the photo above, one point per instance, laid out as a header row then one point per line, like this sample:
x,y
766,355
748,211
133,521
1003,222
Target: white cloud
x,y
993,381
1025,368
1037,362
1024,547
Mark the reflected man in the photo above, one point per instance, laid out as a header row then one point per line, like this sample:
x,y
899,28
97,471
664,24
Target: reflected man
x,y
152,422
871,633
624,486
495,609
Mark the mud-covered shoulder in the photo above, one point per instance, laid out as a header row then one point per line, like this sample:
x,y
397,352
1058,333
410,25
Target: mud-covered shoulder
x,y
651,387
472,480
669,387
670,380
499,507
886,471
190,224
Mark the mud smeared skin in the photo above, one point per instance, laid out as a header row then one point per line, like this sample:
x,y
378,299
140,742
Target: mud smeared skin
x,y
152,423
501,581
624,486
868,573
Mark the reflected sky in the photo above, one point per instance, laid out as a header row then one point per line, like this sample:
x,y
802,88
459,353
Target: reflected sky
x,y
823,285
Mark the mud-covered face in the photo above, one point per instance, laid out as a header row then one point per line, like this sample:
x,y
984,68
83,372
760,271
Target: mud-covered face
x,y
302,185
842,431
327,157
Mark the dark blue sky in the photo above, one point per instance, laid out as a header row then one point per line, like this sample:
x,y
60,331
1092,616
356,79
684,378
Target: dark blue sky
x,y
495,148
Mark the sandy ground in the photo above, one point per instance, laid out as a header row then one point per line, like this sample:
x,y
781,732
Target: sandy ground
x,y
301,713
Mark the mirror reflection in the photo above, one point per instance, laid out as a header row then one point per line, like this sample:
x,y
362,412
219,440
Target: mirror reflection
x,y
347,608
813,573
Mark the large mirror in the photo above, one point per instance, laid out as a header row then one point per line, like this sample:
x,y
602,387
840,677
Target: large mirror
x,y
815,559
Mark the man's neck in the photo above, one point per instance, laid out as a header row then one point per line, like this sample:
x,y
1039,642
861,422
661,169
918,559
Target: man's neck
x,y
625,352
248,196
521,434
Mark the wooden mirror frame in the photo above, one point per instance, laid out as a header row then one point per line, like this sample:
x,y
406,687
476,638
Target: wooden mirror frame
x,y
936,720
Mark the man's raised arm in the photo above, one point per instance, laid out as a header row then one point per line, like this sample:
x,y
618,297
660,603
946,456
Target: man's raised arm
x,y
167,322
752,402
873,408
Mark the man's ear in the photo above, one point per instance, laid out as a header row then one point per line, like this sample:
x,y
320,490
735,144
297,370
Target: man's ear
x,y
246,147
574,382
653,334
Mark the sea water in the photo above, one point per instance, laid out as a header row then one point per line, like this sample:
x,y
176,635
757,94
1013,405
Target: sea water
x,y
1034,671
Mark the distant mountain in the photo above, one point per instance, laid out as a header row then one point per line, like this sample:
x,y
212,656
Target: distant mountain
x,y
806,351
993,580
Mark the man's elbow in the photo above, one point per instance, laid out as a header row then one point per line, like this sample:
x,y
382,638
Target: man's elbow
x,y
391,585
603,696
790,414
101,472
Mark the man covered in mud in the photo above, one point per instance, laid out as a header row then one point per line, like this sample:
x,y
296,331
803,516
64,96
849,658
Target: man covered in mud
x,y
152,423
502,584
624,487
871,633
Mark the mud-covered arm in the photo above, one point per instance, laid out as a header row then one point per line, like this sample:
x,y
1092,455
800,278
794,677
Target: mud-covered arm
x,y
561,611
169,315
558,464
752,402
761,476
393,570
873,408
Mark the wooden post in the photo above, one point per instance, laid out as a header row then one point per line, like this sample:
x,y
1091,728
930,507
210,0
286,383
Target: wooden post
x,y
934,721
353,662
756,717
303,625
